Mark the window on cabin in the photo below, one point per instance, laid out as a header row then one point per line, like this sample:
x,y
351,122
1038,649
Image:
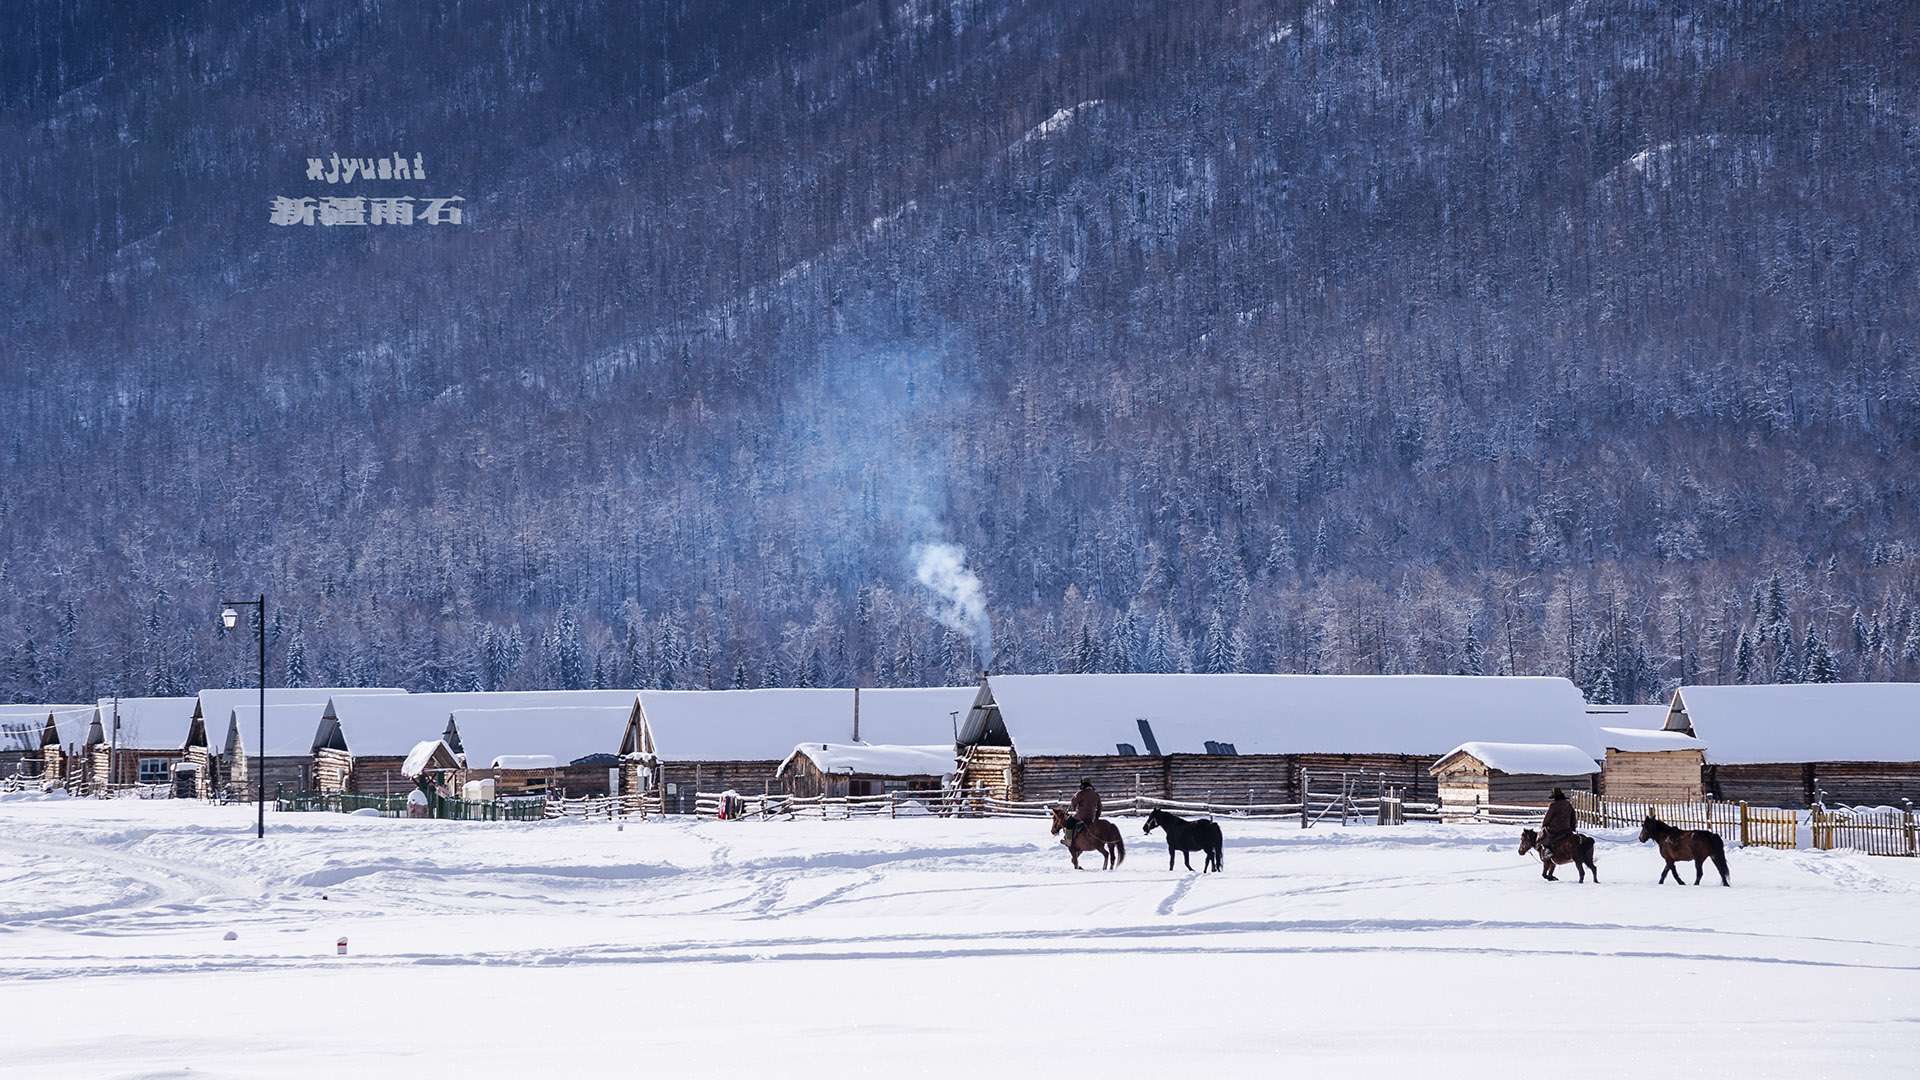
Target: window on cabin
x,y
153,770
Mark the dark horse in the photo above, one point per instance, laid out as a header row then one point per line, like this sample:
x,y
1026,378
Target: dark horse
x,y
1679,845
1187,837
1575,848
1101,836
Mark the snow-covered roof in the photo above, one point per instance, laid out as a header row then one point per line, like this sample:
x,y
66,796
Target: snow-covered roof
x,y
389,725
217,705
23,727
428,754
916,716
1527,759
290,729
1277,714
1651,717
525,761
765,725
1754,725
864,760
1642,741
149,723
565,734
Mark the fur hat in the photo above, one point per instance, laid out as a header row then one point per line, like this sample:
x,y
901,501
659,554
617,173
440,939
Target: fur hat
x,y
1085,782
1558,794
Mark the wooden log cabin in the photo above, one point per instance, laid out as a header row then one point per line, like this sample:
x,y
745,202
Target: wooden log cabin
x,y
362,741
1652,766
565,751
1245,738
681,742
1478,774
841,770
142,740
1854,744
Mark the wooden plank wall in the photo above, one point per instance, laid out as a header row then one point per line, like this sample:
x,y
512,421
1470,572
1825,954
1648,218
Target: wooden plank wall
x,y
1657,776
1219,778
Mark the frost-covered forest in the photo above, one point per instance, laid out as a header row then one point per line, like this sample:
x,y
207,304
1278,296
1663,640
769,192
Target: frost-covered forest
x,y
1336,337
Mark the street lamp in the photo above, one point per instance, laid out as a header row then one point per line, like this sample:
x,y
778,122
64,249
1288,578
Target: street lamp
x,y
230,617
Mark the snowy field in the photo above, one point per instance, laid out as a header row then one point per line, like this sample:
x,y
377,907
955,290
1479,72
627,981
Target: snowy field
x,y
920,948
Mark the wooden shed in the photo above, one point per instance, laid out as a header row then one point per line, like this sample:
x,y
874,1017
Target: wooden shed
x,y
681,742
858,769
1854,744
1244,738
564,751
1477,774
1652,766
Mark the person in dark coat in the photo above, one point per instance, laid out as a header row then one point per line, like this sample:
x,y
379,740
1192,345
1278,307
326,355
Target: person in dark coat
x,y
1084,810
1558,824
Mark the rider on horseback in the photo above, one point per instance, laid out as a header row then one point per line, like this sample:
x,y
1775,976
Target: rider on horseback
x,y
1558,824
1084,810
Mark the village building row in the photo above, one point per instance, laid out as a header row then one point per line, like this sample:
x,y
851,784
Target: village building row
x,y
1232,739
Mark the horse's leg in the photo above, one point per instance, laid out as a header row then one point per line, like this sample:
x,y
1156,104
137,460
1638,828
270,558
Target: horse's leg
x,y
1699,868
1671,869
1169,853
1187,857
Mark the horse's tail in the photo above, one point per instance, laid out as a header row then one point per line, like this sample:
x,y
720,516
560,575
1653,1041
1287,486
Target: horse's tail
x,y
1119,848
1219,853
1718,853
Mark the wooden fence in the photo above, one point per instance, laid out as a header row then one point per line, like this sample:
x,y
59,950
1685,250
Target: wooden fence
x,y
1735,822
1879,830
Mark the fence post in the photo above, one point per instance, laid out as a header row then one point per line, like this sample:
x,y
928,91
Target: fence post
x,y
1743,824
1907,816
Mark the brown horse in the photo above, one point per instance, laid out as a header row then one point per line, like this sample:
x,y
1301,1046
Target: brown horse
x,y
1575,848
1679,845
1101,836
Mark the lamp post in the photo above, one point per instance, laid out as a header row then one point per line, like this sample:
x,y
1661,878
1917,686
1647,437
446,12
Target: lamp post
x,y
230,617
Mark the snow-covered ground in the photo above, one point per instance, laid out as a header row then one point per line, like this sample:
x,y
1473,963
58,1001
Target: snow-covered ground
x,y
920,947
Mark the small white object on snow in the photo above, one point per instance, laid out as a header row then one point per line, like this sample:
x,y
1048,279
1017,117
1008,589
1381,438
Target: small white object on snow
x,y
230,936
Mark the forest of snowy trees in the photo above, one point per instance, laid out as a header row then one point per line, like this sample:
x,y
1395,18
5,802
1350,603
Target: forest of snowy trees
x,y
1509,337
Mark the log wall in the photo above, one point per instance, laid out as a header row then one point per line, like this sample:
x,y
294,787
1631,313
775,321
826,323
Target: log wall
x,y
379,776
1788,785
990,767
1406,771
1226,778
1056,779
1867,783
332,769
688,777
566,781
1218,778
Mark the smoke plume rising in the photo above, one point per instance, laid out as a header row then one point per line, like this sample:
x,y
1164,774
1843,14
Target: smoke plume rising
x,y
959,600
